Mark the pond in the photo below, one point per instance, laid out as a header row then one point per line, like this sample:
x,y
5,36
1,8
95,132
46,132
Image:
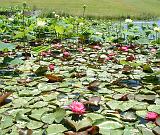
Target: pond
x,y
139,22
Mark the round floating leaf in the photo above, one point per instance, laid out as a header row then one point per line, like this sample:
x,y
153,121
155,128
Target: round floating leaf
x,y
55,129
145,131
46,87
94,116
37,113
39,104
59,114
131,131
154,108
19,102
129,116
34,124
158,121
7,46
107,125
48,118
6,121
156,130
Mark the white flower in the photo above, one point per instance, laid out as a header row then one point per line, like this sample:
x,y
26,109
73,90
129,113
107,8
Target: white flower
x,y
103,56
99,33
41,23
56,16
54,13
81,24
11,19
128,21
157,29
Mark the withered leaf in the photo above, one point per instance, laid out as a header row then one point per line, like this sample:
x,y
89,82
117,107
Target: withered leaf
x,y
127,69
24,81
78,75
25,132
4,96
76,133
93,130
92,100
124,98
94,85
41,70
53,78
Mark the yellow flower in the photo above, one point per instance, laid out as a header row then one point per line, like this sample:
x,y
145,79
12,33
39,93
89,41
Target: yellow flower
x,y
99,33
11,19
41,23
128,21
157,29
56,16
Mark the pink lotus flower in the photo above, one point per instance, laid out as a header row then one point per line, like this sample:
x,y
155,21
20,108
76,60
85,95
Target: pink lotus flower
x,y
43,53
58,45
51,67
81,50
77,107
130,58
111,54
66,54
151,116
49,52
124,48
153,51
107,58
97,47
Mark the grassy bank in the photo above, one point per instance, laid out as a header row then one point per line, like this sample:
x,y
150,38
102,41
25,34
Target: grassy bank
x,y
98,8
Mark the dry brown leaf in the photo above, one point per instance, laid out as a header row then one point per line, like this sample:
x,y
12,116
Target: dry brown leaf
x,y
78,75
94,85
54,78
94,130
4,96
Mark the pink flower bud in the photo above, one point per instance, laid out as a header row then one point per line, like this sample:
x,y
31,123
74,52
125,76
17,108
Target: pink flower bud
x,y
51,67
77,107
81,50
66,54
153,51
124,48
111,54
151,116
49,52
107,58
97,47
130,58
43,53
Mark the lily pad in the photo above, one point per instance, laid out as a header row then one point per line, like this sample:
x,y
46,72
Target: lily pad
x,y
107,125
129,116
55,129
34,124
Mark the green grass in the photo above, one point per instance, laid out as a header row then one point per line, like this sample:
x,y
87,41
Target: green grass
x,y
98,8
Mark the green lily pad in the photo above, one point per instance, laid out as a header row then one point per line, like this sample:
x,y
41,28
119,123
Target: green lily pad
x,y
85,122
6,121
94,116
34,124
154,108
156,130
55,129
108,125
129,116
57,116
19,102
39,104
37,113
7,46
